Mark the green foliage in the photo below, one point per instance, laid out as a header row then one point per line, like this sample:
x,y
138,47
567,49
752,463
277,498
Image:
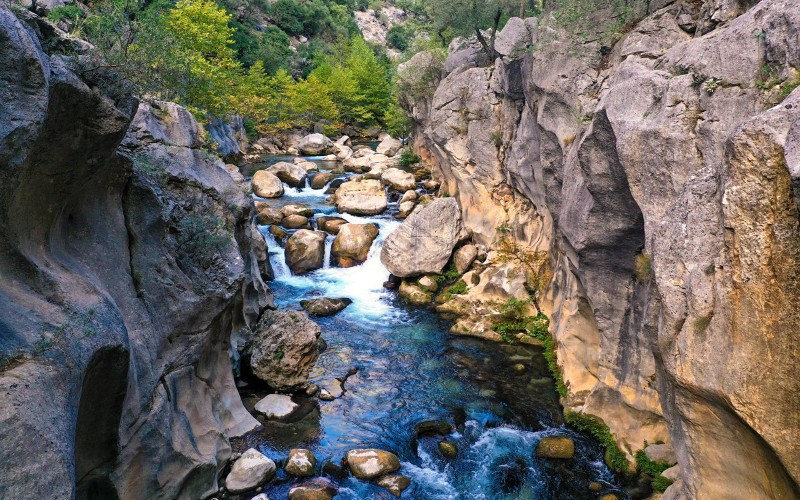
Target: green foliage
x,y
536,264
599,430
603,20
204,235
408,157
398,36
643,267
652,469
458,288
70,12
660,483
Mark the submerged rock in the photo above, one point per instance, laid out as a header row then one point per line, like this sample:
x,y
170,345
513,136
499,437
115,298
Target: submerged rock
x,y
325,306
267,185
305,251
365,197
371,463
276,406
394,483
251,470
424,242
352,244
556,447
284,349
301,463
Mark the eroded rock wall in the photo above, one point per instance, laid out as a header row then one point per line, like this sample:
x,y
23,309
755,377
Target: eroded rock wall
x,y
668,148
124,272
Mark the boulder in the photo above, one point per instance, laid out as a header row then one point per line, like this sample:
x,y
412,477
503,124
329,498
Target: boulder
x,y
278,233
514,38
409,195
267,214
448,449
288,210
365,197
318,488
432,428
325,306
314,144
405,209
371,463
319,181
251,470
661,453
389,146
330,224
464,257
399,180
352,243
344,153
394,483
295,222
356,164
673,473
291,174
556,447
414,294
267,185
424,242
301,463
284,348
428,284
308,166
276,406
305,251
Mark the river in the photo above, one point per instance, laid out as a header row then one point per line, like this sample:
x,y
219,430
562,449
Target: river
x,y
499,398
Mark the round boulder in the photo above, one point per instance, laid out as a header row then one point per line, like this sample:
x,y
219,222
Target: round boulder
x,y
295,222
556,447
301,463
276,406
291,174
330,224
314,144
297,210
352,243
320,180
399,180
318,488
371,463
394,483
284,349
267,215
267,185
251,470
389,146
305,251
414,293
365,197
324,306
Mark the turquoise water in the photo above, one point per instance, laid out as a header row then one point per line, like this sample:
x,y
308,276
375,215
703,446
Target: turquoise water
x,y
410,369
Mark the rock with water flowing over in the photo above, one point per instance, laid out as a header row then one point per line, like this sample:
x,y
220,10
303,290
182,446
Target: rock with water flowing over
x,y
301,463
352,244
314,144
365,197
284,349
318,488
251,470
394,483
324,306
267,185
399,180
424,242
276,406
305,251
371,463
389,146
291,174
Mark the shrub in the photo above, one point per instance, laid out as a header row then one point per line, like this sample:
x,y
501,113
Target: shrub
x,y
398,37
599,430
71,13
660,483
408,157
652,469
202,236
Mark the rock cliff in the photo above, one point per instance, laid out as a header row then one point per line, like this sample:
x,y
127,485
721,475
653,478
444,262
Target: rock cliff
x,y
662,175
128,258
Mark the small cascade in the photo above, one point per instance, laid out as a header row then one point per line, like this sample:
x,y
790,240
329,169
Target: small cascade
x,y
326,264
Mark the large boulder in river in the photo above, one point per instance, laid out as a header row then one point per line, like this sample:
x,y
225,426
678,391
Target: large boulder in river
x,y
324,306
352,243
305,251
314,144
371,463
251,470
556,447
267,185
291,174
318,488
424,242
365,197
284,348
399,180
389,146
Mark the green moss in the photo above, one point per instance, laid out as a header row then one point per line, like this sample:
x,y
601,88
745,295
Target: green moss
x,y
701,324
652,469
599,430
660,483
643,266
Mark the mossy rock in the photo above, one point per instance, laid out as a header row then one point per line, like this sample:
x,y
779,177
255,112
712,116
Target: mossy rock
x,y
556,447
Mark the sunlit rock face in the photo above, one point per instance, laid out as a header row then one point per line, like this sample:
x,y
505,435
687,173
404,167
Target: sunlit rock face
x,y
663,181
124,272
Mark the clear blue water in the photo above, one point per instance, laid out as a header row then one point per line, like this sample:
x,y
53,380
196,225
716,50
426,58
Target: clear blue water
x,y
410,369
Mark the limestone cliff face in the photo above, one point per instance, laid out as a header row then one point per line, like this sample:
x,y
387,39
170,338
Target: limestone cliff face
x,y
124,271
671,148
